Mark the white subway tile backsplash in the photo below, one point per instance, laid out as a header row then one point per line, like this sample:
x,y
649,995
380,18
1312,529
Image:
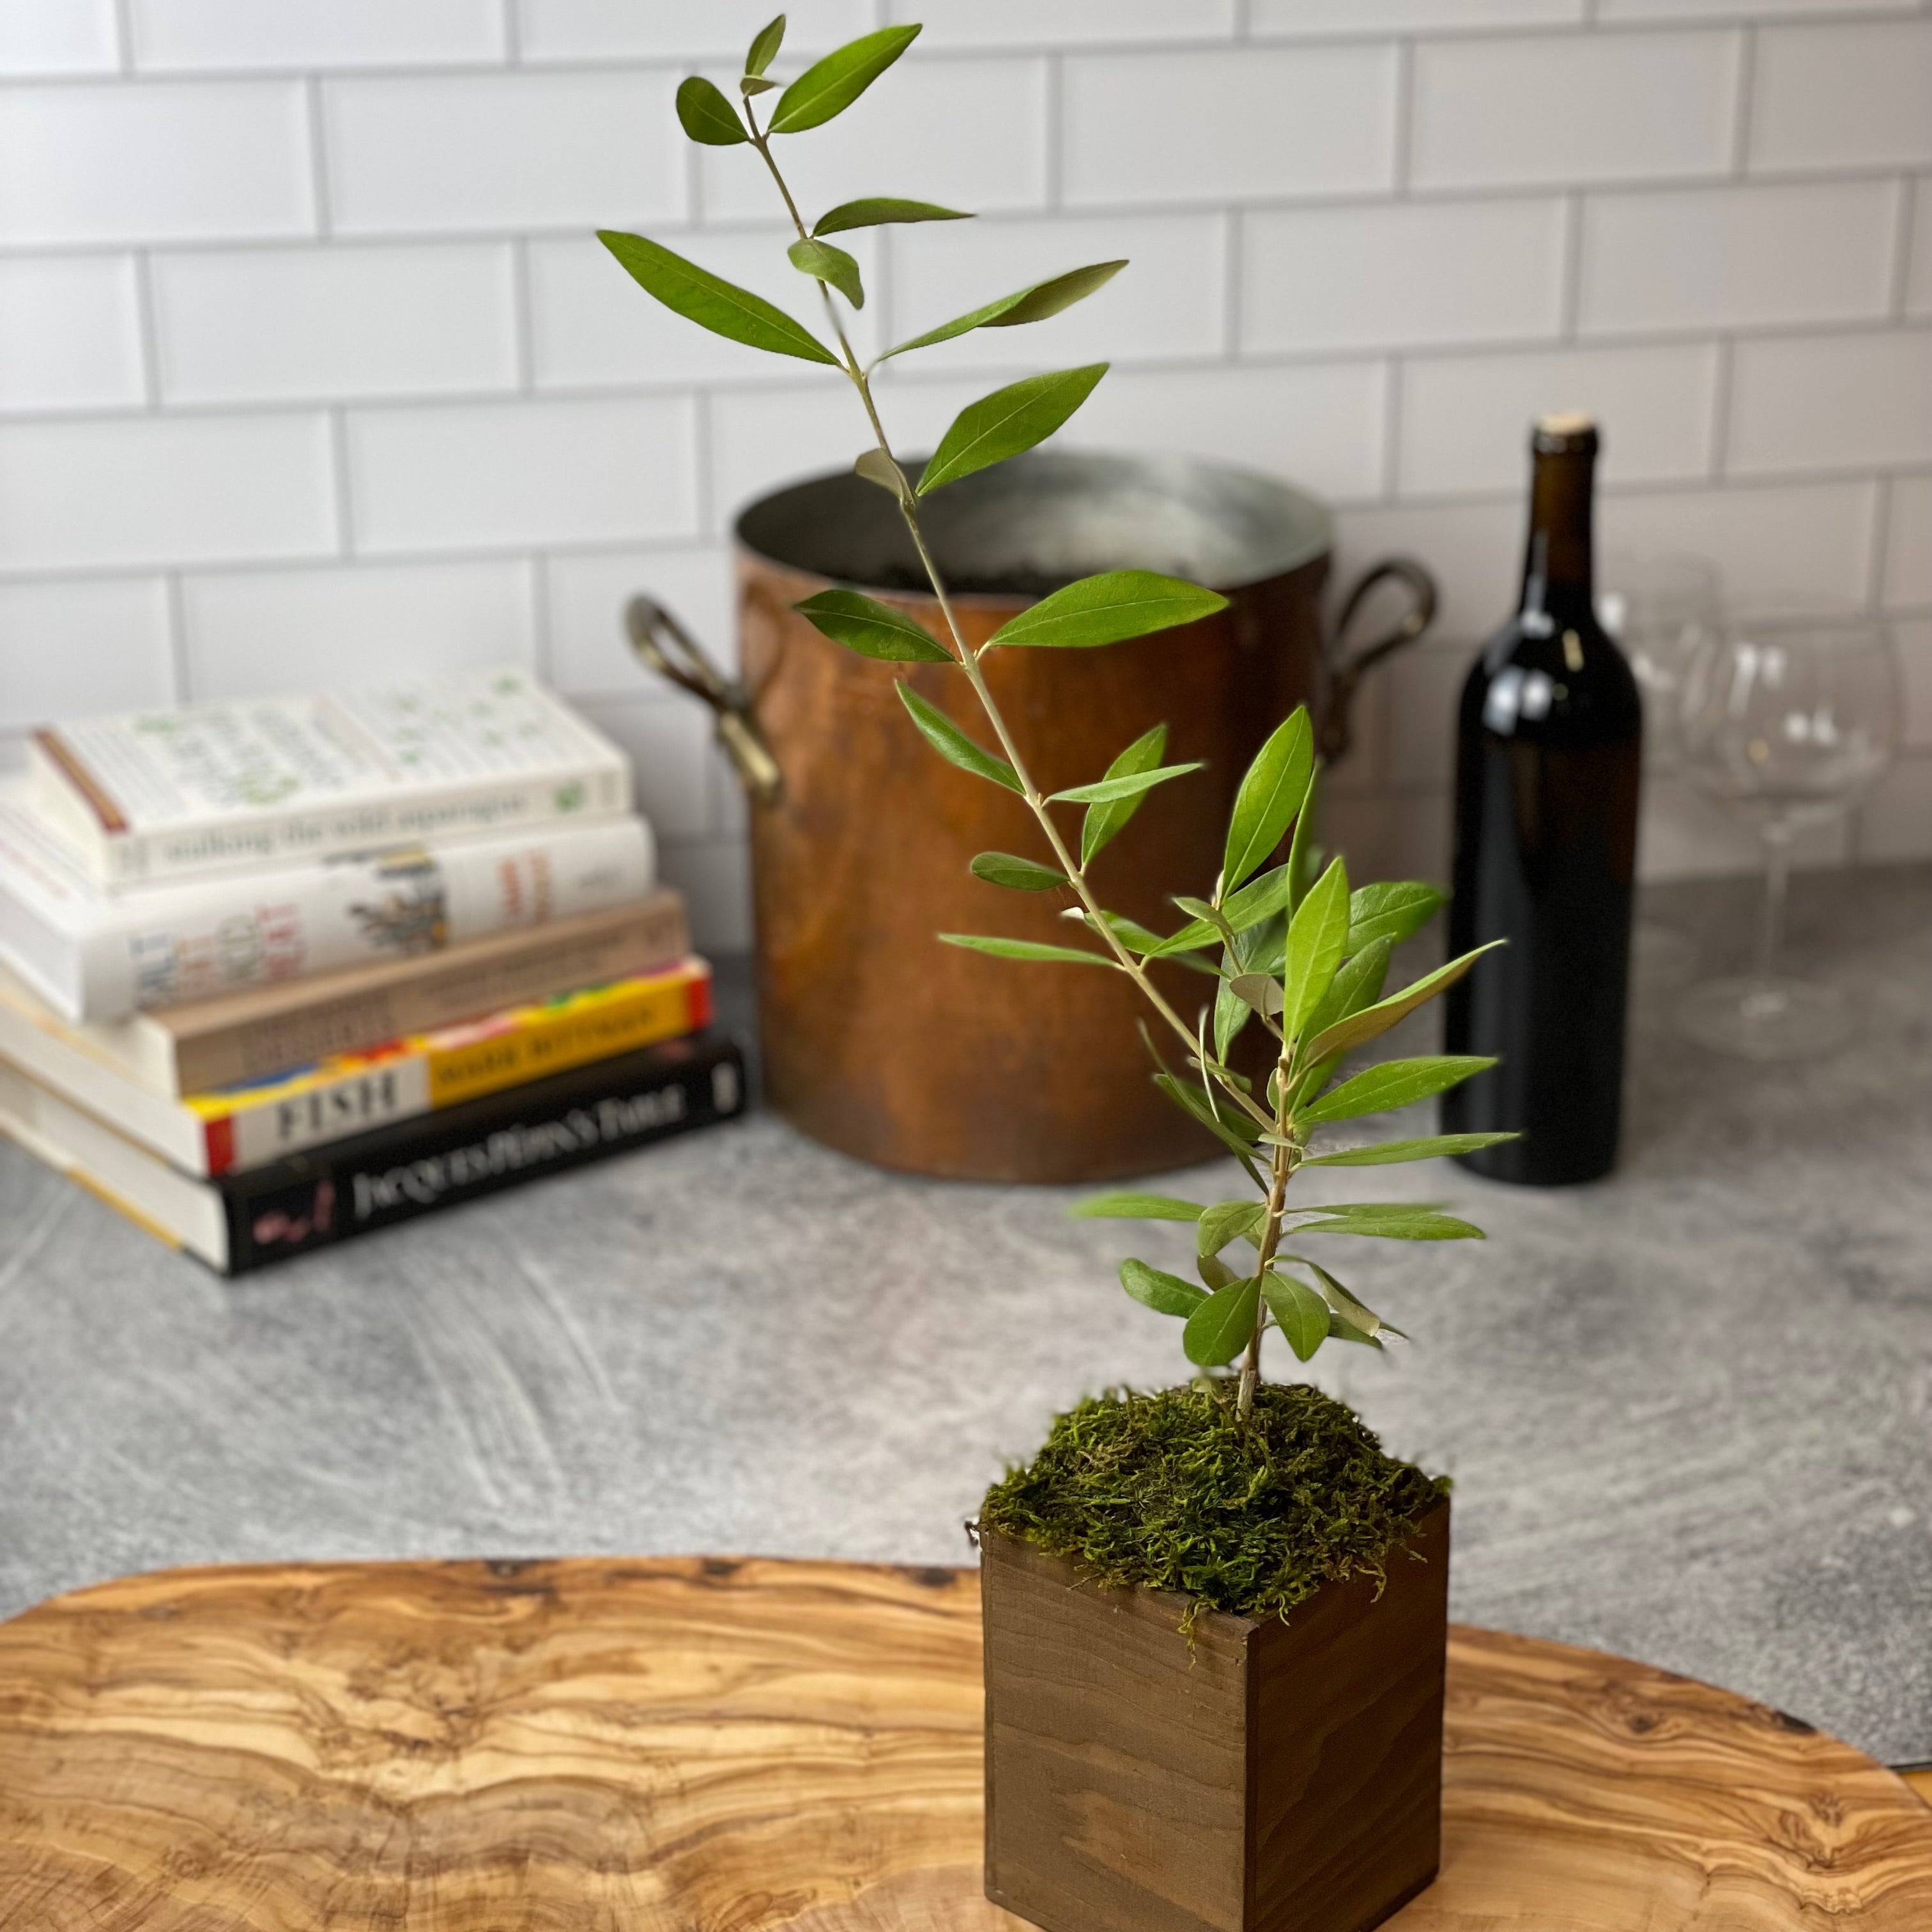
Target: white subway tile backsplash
x,y
494,152
249,633
1473,550
1908,544
1434,16
591,326
1569,107
669,741
967,133
379,320
1736,257
154,490
1024,23
611,29
49,37
1167,305
482,475
1419,273
277,396
69,333
1843,95
763,439
215,34
1844,402
589,654
1464,419
1319,424
1812,540
1741,10
76,649
1241,124
169,162
1918,274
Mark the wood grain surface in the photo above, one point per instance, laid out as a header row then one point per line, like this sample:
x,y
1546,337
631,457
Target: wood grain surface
x,y
683,1744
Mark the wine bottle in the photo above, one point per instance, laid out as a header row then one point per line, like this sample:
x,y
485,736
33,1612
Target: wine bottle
x,y
1548,746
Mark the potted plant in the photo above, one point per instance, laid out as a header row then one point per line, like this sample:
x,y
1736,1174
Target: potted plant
x,y
1215,1614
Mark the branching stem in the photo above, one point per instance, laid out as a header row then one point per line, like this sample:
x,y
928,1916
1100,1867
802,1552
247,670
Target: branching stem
x,y
1286,1156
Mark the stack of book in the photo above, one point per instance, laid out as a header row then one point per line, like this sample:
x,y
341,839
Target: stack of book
x,y
278,972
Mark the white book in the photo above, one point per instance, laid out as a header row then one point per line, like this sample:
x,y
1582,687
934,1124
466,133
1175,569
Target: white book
x,y
159,796
96,956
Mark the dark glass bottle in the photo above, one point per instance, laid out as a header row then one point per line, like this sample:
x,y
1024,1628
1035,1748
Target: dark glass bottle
x,y
1548,744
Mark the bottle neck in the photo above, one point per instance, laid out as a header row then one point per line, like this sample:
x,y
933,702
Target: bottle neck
x,y
1558,572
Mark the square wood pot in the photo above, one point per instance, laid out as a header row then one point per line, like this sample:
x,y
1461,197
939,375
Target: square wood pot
x,y
1274,1777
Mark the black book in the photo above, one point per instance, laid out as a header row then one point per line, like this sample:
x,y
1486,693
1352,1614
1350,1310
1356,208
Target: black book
x,y
393,1173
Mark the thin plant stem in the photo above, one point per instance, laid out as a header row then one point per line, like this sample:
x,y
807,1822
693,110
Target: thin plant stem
x,y
1286,1156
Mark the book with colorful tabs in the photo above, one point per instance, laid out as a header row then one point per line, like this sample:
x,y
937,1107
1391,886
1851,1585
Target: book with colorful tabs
x,y
235,1128
350,1187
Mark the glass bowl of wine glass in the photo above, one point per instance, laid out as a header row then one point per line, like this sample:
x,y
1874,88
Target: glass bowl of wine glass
x,y
1787,718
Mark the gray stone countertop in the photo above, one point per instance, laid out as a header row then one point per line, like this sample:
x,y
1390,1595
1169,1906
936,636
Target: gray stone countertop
x,y
1688,1410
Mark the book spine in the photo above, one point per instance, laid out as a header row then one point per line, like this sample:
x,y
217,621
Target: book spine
x,y
326,1017
426,1075
394,1175
147,951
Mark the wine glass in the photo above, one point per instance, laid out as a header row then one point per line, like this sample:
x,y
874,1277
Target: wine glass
x,y
1786,722
1662,610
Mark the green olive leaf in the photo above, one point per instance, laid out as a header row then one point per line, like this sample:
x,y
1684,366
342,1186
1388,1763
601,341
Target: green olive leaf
x,y
1223,1324
1358,983
952,744
1164,1294
1109,609
764,47
1300,1313
1371,1022
1386,1153
1393,1222
706,116
876,211
1227,1221
711,302
876,467
1394,911
1271,794
996,948
1395,1083
1316,937
1021,875
872,629
1129,784
1105,818
1007,422
1034,304
1134,1208
829,86
825,263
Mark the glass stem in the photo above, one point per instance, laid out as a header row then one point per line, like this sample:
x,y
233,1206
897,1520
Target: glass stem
x,y
1777,882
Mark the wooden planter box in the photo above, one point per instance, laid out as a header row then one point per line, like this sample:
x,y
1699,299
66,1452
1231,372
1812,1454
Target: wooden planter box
x,y
1277,1777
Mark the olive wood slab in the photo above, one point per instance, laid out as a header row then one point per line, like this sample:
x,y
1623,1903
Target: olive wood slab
x,y
694,1743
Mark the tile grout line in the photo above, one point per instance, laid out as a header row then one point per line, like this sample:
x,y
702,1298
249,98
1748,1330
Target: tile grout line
x,y
522,315
1722,379
1881,545
513,37
1053,115
1909,189
1234,270
536,577
124,36
1743,108
179,667
1405,117
341,497
1569,289
1393,372
148,329
320,211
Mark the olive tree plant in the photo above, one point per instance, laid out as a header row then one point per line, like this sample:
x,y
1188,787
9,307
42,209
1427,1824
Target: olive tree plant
x,y
1288,946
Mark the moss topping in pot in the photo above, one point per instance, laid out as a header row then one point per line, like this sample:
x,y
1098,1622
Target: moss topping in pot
x,y
1170,1492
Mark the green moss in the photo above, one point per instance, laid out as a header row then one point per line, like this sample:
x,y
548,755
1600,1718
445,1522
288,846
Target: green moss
x,y
1168,1491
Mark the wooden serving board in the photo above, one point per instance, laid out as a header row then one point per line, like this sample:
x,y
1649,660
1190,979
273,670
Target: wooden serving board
x,y
668,1746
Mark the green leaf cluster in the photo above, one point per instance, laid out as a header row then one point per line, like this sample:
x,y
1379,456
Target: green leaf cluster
x,y
1283,940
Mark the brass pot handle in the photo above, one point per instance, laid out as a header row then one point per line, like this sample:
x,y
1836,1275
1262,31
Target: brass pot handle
x,y
1345,674
663,644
